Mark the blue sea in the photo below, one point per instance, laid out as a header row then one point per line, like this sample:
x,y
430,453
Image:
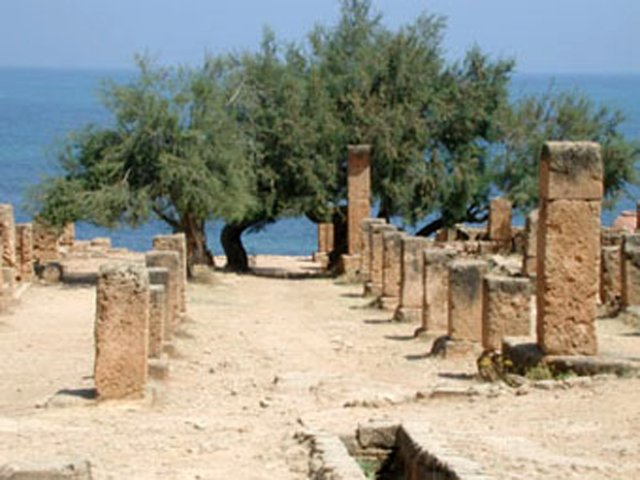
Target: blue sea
x,y
38,107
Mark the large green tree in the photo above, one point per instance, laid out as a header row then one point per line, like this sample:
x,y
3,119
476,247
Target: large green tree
x,y
171,151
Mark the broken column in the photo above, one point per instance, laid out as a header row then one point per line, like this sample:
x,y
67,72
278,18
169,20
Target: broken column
x,y
630,271
391,268
499,227
530,258
571,176
45,244
365,232
325,243
374,287
157,319
176,243
121,331
435,307
465,299
170,261
506,309
611,277
24,251
411,277
8,236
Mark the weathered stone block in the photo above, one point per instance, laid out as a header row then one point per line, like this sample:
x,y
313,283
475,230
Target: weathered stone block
x,y
45,244
377,257
611,276
365,239
630,271
157,319
499,227
465,299
8,236
358,193
68,236
391,267
568,276
122,331
571,171
170,261
529,265
411,277
506,309
176,243
24,251
350,268
435,310
325,237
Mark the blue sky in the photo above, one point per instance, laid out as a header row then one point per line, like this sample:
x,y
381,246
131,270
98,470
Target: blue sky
x,y
545,36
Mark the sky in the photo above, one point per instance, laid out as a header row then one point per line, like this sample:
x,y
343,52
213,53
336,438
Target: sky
x,y
544,36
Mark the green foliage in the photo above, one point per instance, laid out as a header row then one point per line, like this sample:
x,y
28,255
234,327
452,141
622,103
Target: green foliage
x,y
171,151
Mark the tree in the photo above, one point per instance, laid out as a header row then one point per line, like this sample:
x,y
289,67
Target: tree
x,y
172,151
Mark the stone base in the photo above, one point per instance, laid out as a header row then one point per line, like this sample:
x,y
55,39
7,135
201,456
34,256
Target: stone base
x,y
409,315
158,368
322,258
389,304
350,268
460,349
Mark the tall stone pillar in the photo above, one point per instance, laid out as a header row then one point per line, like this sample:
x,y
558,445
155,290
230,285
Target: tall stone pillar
x,y
121,331
411,277
157,319
24,251
499,228
630,271
359,193
530,259
571,189
466,299
365,232
176,243
325,237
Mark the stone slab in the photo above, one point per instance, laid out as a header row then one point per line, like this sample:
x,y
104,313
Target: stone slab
x,y
466,299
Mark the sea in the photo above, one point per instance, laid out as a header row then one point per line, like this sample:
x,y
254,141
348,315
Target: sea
x,y
38,107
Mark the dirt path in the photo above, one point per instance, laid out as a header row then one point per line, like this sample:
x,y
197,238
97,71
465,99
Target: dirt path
x,y
262,358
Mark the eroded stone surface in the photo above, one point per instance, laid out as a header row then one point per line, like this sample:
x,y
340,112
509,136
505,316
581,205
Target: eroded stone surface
x,y
45,244
630,271
157,319
568,276
325,237
465,299
377,257
499,227
8,236
571,171
530,261
506,309
435,312
611,275
122,331
24,251
176,243
411,278
365,239
170,261
391,266
359,193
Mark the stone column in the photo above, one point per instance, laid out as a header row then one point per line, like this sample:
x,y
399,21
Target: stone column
x,y
391,268
45,244
611,276
630,271
499,227
530,259
571,176
466,299
8,236
157,319
435,307
377,255
411,277
24,251
365,232
121,331
170,261
506,310
325,237
359,193
68,236
176,243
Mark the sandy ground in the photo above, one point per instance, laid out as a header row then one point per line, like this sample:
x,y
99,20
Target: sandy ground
x,y
262,358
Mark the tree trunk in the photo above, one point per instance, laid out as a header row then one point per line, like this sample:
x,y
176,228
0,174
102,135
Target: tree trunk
x,y
231,239
197,251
